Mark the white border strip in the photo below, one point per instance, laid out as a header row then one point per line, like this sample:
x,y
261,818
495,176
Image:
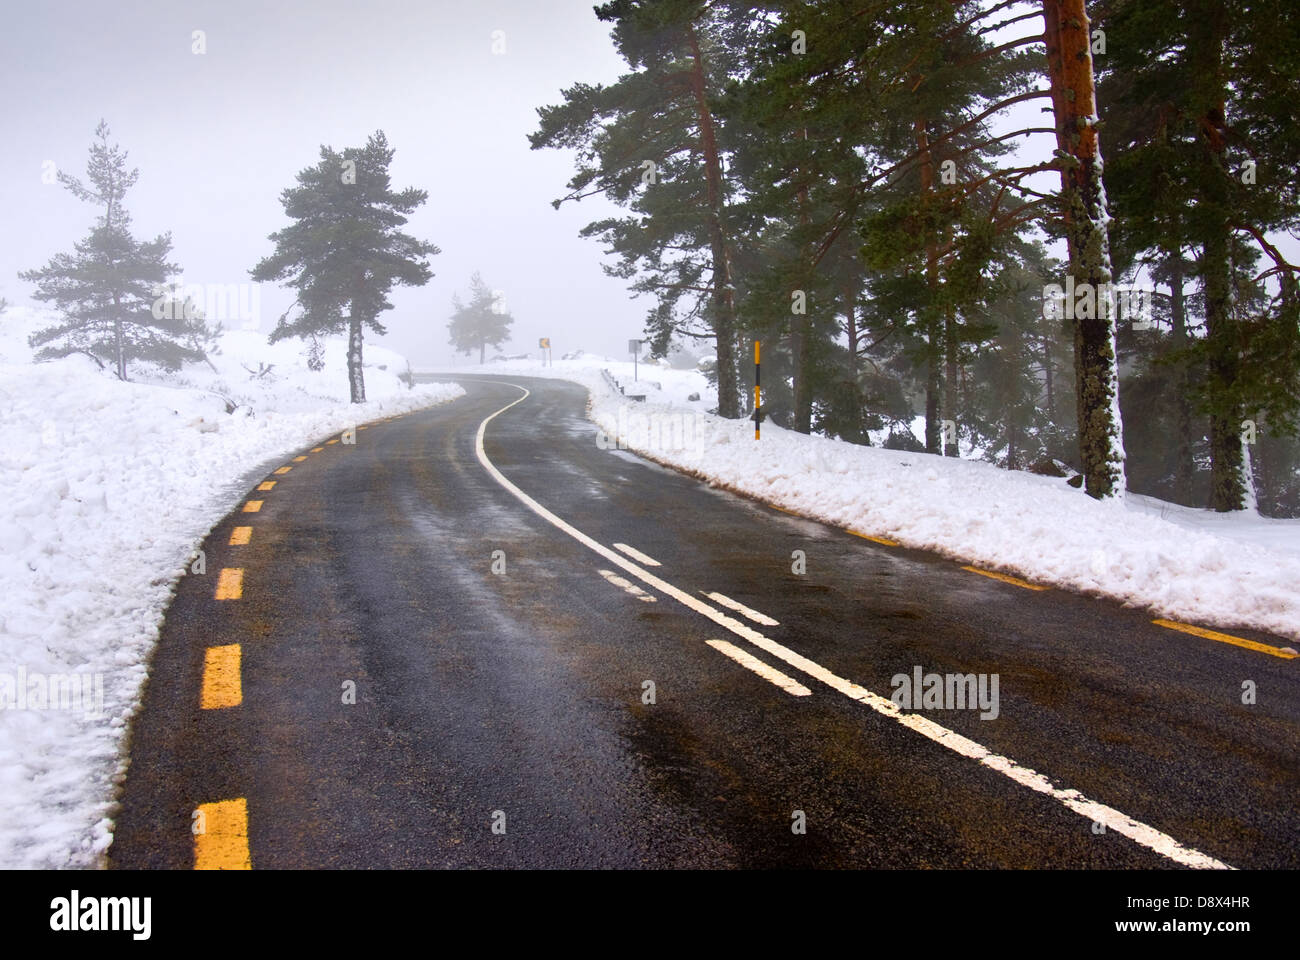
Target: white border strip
x,y
770,674
743,610
624,584
637,555
1149,837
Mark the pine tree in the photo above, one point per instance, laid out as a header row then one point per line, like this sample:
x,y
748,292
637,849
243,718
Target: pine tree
x,y
942,207
1011,405
343,252
797,168
652,142
108,290
872,115
480,323
1068,35
1208,173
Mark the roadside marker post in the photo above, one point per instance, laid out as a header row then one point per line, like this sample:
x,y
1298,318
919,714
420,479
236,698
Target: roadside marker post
x,y
758,395
634,348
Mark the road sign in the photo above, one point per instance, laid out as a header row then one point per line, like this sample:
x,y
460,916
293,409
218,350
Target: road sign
x,y
544,343
634,348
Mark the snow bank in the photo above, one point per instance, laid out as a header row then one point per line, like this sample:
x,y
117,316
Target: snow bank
x,y
107,490
1238,570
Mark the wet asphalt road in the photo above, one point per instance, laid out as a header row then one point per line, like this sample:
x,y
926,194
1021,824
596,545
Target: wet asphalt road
x,y
518,696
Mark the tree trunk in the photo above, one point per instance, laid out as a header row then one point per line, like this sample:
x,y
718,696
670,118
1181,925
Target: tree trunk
x,y
851,327
356,378
1227,489
119,331
1184,465
724,307
1227,492
119,338
1250,497
855,395
800,325
1083,197
801,402
932,386
1050,398
950,377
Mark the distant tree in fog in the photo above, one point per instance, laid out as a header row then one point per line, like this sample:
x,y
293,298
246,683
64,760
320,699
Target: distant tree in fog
x,y
480,323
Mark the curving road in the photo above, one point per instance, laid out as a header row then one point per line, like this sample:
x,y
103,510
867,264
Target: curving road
x,y
502,713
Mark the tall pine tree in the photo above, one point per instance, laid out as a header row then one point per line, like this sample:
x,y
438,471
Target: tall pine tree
x,y
1207,175
343,252
652,142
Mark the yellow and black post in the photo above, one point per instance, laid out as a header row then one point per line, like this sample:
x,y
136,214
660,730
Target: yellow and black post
x,y
758,394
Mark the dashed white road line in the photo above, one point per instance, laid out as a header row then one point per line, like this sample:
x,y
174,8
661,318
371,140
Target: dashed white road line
x,y
628,585
1147,836
743,610
637,555
772,675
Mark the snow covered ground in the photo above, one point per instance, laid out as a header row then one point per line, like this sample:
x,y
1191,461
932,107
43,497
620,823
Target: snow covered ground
x,y
1211,569
106,490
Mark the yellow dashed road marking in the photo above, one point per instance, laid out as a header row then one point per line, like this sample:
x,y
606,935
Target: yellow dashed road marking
x,y
221,684
1227,638
266,485
223,844
865,536
283,470
240,536
1007,579
253,506
317,449
230,584
299,459
883,540
335,440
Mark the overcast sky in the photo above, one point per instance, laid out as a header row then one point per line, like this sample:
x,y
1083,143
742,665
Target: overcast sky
x,y
217,136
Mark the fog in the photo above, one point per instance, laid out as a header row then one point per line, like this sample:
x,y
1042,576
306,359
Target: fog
x,y
218,135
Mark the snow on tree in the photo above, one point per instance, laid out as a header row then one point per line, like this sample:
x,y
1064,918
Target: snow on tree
x,y
1083,203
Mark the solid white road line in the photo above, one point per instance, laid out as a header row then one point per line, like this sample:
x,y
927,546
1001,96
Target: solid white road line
x,y
743,610
1149,837
790,686
637,555
627,585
